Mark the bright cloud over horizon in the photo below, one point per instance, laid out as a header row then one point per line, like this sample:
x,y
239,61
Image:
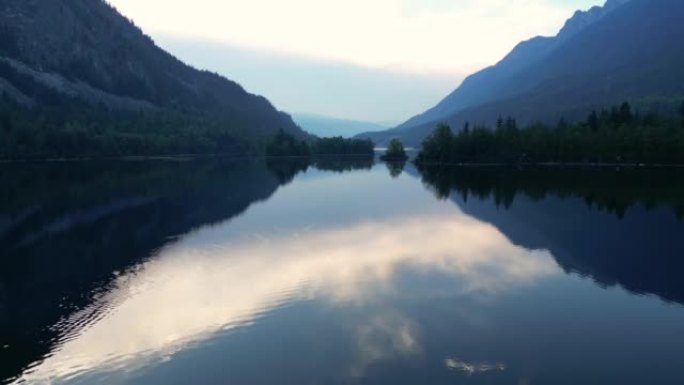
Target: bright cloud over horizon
x,y
449,36
440,38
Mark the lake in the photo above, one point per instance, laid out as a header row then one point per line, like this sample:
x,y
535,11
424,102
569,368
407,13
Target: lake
x,y
339,272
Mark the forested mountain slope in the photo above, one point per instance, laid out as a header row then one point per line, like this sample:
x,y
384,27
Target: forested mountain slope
x,y
68,66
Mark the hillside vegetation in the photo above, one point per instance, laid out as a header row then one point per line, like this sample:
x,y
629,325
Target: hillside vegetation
x,y
79,79
615,136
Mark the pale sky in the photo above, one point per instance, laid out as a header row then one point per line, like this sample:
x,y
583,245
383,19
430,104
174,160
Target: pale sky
x,y
427,46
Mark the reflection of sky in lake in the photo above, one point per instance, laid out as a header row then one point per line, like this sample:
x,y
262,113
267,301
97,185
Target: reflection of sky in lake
x,y
394,267
332,237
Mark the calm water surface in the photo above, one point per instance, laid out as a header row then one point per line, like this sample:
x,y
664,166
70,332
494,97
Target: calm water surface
x,y
227,272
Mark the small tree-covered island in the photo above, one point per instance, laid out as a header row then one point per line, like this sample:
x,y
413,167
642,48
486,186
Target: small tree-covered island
x,y
618,136
395,152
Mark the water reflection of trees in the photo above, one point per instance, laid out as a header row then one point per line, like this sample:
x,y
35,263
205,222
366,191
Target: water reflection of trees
x,y
344,164
395,168
614,191
615,227
286,169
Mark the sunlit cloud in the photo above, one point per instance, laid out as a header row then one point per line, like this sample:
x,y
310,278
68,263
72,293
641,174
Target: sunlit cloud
x,y
193,290
445,36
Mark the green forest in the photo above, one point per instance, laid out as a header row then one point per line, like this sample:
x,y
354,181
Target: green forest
x,y
75,130
71,130
66,127
618,135
285,144
53,125
395,152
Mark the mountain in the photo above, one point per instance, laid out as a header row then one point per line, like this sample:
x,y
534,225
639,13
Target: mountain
x,y
85,55
626,50
328,127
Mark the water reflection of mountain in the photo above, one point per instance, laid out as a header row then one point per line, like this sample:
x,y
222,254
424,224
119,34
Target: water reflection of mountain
x,y
617,227
67,229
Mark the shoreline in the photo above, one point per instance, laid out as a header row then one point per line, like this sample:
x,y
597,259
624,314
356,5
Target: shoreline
x,y
551,165
176,158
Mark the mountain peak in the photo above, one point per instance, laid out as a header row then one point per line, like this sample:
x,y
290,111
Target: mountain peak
x,y
582,19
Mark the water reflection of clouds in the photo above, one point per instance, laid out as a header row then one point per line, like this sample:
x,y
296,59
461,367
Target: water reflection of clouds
x,y
192,291
384,336
471,368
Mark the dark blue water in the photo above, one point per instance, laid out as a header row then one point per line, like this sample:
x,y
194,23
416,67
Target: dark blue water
x,y
241,272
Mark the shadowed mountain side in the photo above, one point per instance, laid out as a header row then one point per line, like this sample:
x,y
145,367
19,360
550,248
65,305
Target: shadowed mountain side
x,y
591,221
492,82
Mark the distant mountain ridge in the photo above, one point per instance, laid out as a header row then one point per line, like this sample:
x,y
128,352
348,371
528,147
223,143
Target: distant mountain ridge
x,y
598,57
582,19
53,51
326,126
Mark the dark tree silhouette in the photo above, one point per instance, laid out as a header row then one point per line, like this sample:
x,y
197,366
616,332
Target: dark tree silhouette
x,y
593,121
511,124
287,145
626,113
437,147
395,152
342,146
284,144
609,137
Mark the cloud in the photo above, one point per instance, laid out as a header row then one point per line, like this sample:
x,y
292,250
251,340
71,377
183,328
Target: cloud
x,y
437,36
